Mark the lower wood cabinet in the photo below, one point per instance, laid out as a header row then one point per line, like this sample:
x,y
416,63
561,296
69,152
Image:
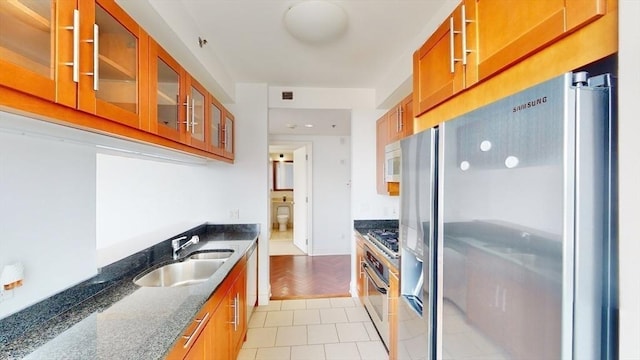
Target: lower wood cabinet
x,y
220,328
394,295
360,273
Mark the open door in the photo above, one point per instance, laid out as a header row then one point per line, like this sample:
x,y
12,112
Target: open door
x,y
300,199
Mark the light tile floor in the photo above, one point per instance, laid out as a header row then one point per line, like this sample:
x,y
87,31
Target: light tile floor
x,y
309,329
281,243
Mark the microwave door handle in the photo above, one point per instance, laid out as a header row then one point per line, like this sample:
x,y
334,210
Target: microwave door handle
x,y
381,288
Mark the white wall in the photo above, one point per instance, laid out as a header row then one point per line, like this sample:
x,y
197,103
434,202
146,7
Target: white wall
x,y
246,184
141,202
321,98
629,173
366,203
331,168
47,217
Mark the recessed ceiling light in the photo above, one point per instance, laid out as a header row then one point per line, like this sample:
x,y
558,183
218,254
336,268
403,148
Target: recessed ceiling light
x,y
308,125
315,21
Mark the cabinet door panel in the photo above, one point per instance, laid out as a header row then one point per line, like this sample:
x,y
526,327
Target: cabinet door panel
x,y
228,135
195,123
433,79
220,335
382,138
27,31
215,118
165,93
121,66
582,12
507,30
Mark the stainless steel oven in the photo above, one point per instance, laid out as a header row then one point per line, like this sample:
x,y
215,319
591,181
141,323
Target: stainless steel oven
x,y
376,294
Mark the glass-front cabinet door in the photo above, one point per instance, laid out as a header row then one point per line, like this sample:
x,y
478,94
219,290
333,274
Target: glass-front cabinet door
x,y
166,90
27,44
195,114
215,117
113,62
228,134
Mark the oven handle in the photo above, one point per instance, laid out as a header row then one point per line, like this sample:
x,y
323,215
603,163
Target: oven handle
x,y
380,286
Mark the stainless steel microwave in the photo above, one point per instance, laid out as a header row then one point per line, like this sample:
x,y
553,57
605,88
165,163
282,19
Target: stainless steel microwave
x,y
392,162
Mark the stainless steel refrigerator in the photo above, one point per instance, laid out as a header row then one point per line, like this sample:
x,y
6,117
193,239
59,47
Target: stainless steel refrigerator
x,y
520,193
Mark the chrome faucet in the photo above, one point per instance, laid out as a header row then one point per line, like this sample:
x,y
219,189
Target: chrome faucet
x,y
175,245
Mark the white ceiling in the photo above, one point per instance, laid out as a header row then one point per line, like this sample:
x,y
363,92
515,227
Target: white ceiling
x,y
249,40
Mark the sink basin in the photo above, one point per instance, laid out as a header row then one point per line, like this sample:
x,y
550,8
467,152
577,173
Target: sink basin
x,y
215,254
181,273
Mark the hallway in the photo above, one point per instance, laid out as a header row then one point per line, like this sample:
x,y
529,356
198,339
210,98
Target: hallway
x,y
301,276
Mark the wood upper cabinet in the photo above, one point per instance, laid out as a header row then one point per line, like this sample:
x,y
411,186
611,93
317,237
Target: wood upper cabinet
x,y
483,37
400,119
222,130
88,55
508,33
166,89
440,66
89,64
28,31
113,63
382,139
195,114
396,124
228,135
216,140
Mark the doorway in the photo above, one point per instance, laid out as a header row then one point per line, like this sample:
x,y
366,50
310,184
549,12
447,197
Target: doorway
x,y
290,195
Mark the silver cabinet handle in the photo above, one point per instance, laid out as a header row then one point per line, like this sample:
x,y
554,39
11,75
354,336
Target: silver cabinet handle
x,y
96,59
452,59
465,50
235,313
187,114
192,336
453,33
401,111
193,116
236,322
74,63
223,128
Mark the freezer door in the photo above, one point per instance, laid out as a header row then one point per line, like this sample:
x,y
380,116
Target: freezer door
x,y
417,235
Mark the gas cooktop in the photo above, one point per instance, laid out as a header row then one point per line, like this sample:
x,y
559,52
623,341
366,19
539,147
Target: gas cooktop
x,y
386,240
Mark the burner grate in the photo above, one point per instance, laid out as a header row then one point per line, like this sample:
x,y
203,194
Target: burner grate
x,y
385,239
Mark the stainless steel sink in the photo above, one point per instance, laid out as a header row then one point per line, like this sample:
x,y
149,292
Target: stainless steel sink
x,y
215,254
183,273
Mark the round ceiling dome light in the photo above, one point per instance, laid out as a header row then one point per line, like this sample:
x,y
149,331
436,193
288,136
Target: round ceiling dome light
x,y
315,21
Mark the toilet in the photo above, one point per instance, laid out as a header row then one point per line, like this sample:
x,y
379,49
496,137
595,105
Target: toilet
x,y
282,214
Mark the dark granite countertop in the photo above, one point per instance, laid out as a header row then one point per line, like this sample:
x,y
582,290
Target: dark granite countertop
x,y
109,317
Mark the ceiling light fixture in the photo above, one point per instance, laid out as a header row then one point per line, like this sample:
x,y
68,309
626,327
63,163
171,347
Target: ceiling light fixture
x,y
315,21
